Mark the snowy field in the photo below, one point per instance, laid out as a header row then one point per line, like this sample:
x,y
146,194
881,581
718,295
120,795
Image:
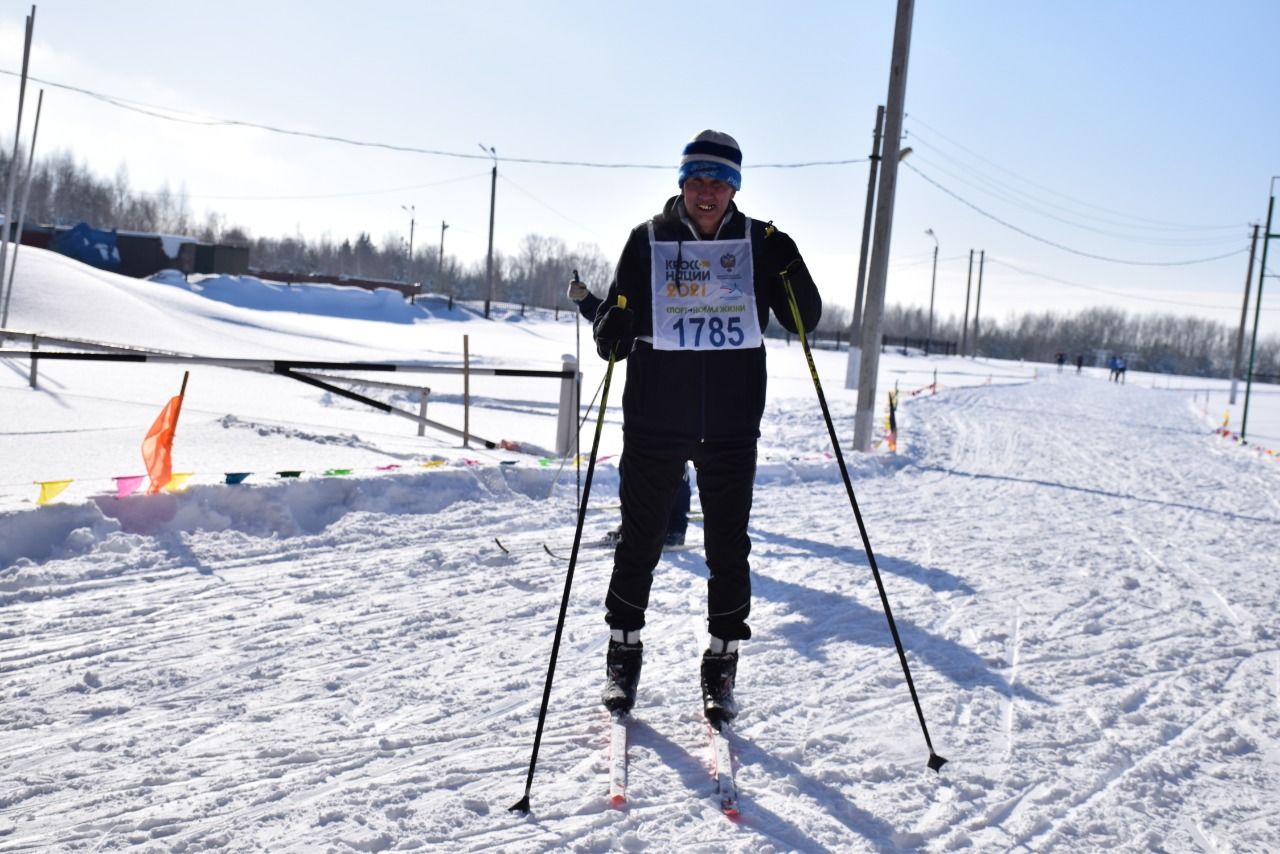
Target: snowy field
x,y
1084,576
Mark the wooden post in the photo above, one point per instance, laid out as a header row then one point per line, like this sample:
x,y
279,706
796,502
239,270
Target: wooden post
x,y
567,418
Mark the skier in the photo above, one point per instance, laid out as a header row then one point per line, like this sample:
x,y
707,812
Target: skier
x,y
678,518
699,280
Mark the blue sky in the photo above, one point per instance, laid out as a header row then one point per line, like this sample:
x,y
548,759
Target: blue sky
x,y
1136,131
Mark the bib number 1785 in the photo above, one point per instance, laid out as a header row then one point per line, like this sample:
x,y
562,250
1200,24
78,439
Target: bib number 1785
x,y
719,331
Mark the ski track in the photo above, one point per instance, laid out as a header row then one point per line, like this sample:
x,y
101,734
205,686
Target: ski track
x,y
1090,628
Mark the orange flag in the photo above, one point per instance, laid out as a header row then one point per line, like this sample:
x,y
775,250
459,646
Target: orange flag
x,y
157,447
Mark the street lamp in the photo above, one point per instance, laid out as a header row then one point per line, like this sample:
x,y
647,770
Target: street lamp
x,y
933,283
493,195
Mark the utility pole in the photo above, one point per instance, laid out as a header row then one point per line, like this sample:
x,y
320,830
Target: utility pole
x,y
493,195
855,329
964,326
1244,320
865,414
22,216
13,161
410,209
977,303
1257,312
933,284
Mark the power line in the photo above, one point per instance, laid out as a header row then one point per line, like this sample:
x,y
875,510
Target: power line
x,y
564,217
1034,204
388,191
1060,281
183,117
1064,247
1154,223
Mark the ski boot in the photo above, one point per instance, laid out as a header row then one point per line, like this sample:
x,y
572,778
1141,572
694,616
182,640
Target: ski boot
x,y
622,671
719,670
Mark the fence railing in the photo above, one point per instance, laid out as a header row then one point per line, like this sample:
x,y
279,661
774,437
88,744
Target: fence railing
x,y
305,371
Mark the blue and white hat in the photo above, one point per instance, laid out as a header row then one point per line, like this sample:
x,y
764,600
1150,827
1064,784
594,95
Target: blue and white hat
x,y
712,154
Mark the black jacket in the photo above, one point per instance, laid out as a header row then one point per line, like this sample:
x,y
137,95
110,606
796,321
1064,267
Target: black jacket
x,y
701,394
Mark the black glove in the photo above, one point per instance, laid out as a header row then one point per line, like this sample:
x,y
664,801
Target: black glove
x,y
781,252
615,330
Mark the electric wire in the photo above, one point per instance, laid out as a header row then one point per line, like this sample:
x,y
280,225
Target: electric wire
x,y
1032,208
1121,294
1154,223
346,195
183,117
1063,247
566,218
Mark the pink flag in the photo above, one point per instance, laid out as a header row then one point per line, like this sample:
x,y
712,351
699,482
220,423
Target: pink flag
x,y
126,485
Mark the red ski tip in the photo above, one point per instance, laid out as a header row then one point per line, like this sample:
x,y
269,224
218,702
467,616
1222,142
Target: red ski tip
x,y
618,801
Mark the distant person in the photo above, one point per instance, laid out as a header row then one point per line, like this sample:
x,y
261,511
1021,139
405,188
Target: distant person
x,y
1113,374
1062,360
701,280
678,519
1079,364
1120,369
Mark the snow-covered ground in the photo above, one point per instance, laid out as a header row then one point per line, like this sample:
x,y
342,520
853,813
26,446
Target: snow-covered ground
x,y
1083,574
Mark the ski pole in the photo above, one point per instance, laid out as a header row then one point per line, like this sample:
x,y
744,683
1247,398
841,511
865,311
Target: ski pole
x,y
523,804
935,761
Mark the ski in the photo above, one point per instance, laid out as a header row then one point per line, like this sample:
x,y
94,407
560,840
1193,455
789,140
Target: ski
x,y
726,789
594,544
618,758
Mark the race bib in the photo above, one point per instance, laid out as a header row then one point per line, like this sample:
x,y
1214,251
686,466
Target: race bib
x,y
704,295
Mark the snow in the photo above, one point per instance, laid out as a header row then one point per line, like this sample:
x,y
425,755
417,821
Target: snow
x,y
1083,575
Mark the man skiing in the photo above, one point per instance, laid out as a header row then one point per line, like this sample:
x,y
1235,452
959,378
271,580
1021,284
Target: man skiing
x,y
699,280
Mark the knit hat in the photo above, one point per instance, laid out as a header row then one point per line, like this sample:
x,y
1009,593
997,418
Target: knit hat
x,y
715,155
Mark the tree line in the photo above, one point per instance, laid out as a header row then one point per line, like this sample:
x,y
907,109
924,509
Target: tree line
x,y
65,192
1161,342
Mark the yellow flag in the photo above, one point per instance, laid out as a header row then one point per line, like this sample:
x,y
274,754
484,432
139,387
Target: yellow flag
x,y
50,489
178,481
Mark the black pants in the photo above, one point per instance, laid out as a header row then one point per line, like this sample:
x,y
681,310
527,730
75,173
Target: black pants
x,y
651,472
